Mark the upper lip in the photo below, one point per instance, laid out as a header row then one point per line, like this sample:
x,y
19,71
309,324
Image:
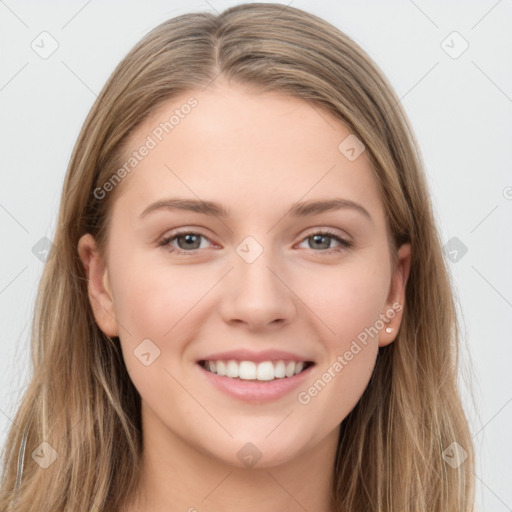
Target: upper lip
x,y
257,357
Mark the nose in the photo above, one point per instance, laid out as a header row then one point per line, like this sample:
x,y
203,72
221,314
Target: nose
x,y
257,294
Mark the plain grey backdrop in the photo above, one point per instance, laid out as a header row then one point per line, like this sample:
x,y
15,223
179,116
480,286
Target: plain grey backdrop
x,y
450,64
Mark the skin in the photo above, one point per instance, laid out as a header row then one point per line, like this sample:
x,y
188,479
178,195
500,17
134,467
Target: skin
x,y
256,154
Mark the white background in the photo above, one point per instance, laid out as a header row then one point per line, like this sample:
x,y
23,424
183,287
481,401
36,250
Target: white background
x,y
460,109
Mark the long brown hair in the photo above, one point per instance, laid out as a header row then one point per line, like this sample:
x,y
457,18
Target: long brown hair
x,y
392,447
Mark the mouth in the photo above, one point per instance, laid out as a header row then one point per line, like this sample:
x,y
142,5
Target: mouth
x,y
250,371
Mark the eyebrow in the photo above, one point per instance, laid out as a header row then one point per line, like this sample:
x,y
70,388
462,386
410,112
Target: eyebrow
x,y
298,209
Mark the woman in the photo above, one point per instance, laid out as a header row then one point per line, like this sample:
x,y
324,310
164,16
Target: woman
x,y
246,305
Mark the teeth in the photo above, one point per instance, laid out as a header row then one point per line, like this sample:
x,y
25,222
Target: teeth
x,y
232,369
219,368
279,370
265,370
249,370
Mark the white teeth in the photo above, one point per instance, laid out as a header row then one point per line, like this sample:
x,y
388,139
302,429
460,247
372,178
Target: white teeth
x,y
220,368
290,369
232,369
249,370
279,370
265,371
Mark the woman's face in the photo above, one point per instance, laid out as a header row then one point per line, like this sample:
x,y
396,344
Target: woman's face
x,y
261,277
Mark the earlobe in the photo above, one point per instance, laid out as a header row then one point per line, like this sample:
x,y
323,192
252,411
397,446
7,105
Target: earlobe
x,y
98,286
396,299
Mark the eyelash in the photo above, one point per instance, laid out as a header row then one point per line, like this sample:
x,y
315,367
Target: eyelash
x,y
345,244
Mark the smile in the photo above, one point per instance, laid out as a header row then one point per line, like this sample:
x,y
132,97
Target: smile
x,y
252,371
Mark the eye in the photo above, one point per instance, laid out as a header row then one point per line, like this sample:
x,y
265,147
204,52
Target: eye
x,y
187,241
322,240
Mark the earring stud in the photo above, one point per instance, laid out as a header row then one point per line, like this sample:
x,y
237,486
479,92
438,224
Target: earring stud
x,y
389,329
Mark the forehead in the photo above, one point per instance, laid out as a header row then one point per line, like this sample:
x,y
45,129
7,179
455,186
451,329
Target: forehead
x,y
247,150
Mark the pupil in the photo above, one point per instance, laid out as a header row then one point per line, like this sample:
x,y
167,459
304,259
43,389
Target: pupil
x,y
190,239
318,238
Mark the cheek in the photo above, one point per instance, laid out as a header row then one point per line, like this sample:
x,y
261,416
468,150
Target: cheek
x,y
347,298
162,304
152,298
158,312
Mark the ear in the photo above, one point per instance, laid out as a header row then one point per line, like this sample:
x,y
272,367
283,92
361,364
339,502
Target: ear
x,y
98,286
395,302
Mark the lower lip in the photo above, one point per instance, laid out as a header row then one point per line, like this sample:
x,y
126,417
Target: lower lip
x,y
256,392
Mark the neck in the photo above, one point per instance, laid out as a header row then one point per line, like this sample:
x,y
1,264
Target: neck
x,y
178,476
